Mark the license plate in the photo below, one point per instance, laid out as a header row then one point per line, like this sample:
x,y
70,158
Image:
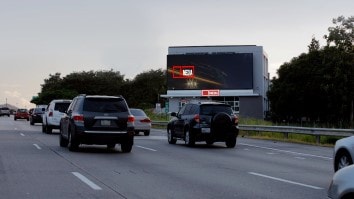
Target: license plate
x,y
205,130
105,122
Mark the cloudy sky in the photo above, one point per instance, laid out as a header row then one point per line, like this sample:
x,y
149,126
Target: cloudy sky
x,y
42,37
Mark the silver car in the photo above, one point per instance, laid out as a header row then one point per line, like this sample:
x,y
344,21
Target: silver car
x,y
342,184
343,153
142,121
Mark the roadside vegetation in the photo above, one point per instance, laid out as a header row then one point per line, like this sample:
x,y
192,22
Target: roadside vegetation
x,y
317,87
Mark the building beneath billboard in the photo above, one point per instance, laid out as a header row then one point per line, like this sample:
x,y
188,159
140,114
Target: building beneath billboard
x,y
236,75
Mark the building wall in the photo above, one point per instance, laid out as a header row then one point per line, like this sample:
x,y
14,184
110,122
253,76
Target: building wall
x,y
253,102
251,107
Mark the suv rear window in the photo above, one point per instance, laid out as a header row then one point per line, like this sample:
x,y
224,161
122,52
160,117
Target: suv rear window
x,y
61,106
38,110
105,105
213,109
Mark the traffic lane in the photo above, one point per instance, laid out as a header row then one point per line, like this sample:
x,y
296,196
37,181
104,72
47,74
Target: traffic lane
x,y
8,123
200,171
150,144
29,170
293,168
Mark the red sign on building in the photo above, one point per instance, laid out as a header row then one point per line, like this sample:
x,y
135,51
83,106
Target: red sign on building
x,y
183,72
213,92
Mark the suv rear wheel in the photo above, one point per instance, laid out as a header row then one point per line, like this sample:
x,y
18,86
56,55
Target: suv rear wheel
x,y
231,142
147,133
170,137
62,141
73,143
189,139
126,147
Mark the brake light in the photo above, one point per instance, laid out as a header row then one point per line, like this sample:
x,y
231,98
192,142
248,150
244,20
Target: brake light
x,y
131,118
78,118
146,120
50,114
196,118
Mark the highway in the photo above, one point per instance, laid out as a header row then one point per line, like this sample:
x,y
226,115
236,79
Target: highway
x,y
34,166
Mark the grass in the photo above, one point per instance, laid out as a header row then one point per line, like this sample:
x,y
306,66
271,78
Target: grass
x,y
292,137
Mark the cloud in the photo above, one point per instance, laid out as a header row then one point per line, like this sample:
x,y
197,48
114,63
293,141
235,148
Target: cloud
x,y
14,94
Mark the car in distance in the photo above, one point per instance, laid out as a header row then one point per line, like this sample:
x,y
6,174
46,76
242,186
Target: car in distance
x,y
36,115
5,111
96,119
342,184
204,121
52,115
142,121
343,153
21,114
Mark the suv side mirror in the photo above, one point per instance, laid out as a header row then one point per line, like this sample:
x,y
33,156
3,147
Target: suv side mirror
x,y
174,114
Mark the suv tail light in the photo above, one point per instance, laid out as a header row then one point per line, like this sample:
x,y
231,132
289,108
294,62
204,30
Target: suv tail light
x,y
235,119
50,114
78,118
196,118
131,120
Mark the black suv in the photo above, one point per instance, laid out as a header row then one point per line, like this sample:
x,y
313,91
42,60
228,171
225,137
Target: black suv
x,y
205,121
93,119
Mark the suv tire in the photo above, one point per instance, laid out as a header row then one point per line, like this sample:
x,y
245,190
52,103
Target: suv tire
x,y
188,138
73,143
231,142
170,137
48,129
147,133
222,120
126,147
62,141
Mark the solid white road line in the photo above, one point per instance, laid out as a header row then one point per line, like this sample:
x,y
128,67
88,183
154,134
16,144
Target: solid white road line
x,y
286,181
86,181
37,146
146,148
285,151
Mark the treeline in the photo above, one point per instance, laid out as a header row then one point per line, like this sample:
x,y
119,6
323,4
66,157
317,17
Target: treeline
x,y
143,91
318,86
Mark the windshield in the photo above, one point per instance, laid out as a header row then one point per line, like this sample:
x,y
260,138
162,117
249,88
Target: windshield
x,y
137,112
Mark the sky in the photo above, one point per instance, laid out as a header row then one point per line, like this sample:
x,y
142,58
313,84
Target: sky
x,y
43,37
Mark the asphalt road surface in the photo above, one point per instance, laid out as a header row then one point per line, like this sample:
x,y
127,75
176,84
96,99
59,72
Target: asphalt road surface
x,y
33,165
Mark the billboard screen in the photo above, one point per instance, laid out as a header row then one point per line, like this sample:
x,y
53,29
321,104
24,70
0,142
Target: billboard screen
x,y
210,71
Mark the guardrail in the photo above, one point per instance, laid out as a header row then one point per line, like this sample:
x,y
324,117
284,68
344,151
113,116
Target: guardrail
x,y
317,132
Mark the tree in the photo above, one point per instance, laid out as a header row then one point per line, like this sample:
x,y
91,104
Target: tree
x,y
145,88
143,91
314,45
318,85
342,35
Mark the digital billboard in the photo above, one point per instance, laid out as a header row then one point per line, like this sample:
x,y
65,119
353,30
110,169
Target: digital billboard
x,y
210,71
